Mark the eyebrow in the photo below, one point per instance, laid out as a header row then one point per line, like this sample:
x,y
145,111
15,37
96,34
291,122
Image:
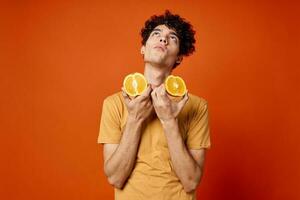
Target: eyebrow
x,y
172,32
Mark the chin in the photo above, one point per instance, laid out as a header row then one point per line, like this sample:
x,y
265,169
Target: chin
x,y
158,60
160,64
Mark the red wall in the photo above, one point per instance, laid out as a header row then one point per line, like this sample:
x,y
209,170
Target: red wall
x,y
59,60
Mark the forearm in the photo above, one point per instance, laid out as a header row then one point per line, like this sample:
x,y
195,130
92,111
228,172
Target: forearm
x,y
184,164
119,166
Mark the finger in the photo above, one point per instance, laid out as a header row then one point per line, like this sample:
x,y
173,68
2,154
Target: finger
x,y
160,94
183,101
125,95
163,93
163,89
187,95
154,96
159,88
149,103
147,92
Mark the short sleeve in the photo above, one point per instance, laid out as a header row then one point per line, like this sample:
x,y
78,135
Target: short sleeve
x,y
198,135
110,128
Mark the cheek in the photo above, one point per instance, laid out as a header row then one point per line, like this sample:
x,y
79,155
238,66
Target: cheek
x,y
150,42
175,51
149,46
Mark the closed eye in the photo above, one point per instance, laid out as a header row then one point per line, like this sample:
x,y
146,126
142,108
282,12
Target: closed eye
x,y
155,33
174,38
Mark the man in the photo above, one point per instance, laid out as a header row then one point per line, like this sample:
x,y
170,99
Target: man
x,y
154,148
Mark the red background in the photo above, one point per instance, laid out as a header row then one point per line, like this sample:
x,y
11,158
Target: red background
x,y
59,60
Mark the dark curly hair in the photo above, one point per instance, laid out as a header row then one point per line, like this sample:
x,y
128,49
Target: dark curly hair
x,y
182,27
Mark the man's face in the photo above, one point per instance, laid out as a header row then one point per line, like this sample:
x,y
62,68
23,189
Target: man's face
x,y
162,47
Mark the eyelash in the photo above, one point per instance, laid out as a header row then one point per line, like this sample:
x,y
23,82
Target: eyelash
x,y
172,37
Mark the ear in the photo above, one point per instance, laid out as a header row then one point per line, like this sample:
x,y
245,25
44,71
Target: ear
x,y
179,59
143,50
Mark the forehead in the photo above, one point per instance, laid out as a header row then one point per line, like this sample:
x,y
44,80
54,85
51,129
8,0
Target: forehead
x,y
163,27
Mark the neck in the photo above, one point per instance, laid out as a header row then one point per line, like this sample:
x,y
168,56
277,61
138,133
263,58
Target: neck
x,y
156,75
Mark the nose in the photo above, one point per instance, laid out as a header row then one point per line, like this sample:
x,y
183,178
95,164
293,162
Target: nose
x,y
163,39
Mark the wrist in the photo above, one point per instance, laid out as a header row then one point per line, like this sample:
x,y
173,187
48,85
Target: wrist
x,y
169,122
134,119
171,128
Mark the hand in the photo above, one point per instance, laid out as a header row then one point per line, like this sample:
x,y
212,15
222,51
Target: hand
x,y
140,107
165,108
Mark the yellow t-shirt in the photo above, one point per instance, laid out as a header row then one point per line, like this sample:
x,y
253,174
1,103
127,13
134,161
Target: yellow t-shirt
x,y
153,176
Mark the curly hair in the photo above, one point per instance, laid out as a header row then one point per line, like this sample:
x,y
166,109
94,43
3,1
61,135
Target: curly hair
x,y
182,27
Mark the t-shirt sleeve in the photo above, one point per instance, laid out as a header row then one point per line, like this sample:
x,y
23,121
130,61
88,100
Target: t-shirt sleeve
x,y
198,135
110,126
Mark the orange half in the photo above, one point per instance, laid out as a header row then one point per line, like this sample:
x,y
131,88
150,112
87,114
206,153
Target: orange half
x,y
175,86
135,84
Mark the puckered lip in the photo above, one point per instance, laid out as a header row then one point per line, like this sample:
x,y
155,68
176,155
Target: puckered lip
x,y
163,48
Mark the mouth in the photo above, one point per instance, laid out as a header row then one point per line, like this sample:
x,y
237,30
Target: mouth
x,y
160,48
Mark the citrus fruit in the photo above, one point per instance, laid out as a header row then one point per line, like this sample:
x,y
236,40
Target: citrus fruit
x,y
135,84
175,86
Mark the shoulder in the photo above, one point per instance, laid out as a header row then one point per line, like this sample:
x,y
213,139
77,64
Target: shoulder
x,y
115,103
115,98
196,102
194,106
